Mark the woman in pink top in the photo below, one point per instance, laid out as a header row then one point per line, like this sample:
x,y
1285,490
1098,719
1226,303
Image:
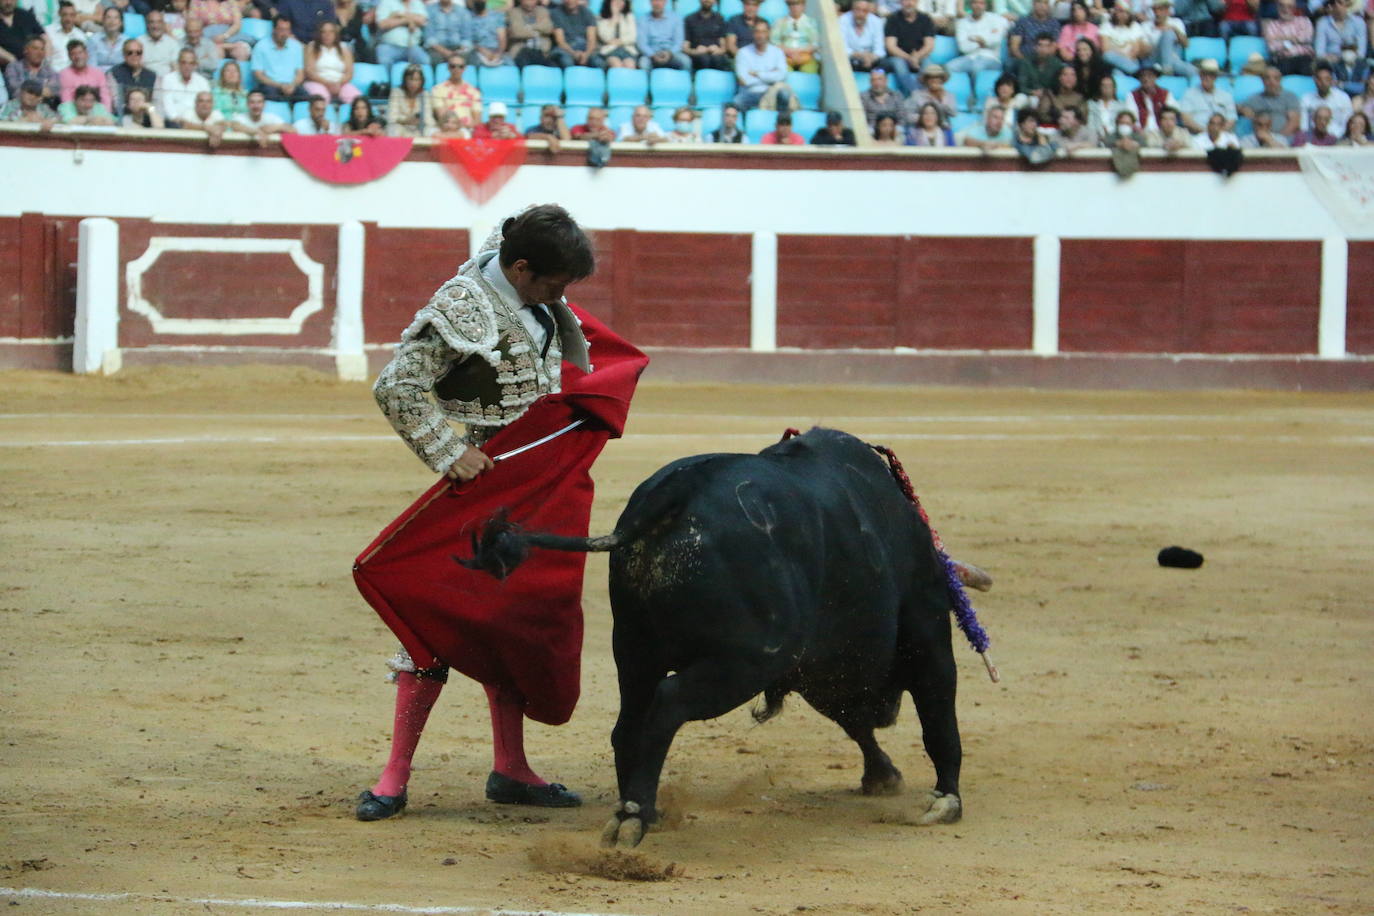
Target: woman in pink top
x,y
329,66
1080,25
222,19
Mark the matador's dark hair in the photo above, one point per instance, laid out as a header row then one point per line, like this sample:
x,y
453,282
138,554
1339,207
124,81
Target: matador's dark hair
x,y
549,239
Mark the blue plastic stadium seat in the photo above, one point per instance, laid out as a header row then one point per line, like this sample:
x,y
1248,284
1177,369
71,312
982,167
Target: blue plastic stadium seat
x,y
541,85
714,88
398,71
441,74
773,10
365,75
638,8
576,114
946,49
1244,128
1200,48
1240,49
806,123
255,30
984,85
758,122
670,87
528,116
663,116
1299,85
626,87
962,122
584,85
134,26
1245,86
499,84
1125,85
807,86
729,8
1177,85
962,90
280,109
863,80
618,116
710,120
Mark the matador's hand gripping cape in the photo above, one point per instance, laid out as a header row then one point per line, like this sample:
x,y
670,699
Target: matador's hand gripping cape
x,y
523,633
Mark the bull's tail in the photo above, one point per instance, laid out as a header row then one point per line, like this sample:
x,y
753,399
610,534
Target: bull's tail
x,y
501,545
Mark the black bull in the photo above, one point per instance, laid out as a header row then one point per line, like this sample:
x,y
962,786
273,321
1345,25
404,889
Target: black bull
x,y
802,568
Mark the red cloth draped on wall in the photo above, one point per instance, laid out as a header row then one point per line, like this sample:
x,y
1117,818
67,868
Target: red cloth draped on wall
x,y
523,633
346,160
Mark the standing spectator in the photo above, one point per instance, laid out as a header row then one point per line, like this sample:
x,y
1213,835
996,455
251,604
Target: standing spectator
x,y
306,17
909,37
17,26
1025,35
1149,98
878,98
175,93
257,121
1036,75
1065,94
979,36
1289,38
596,130
139,112
885,131
81,74
28,106
1202,101
863,35
204,118
107,45
132,74
729,130
782,133
574,35
704,39
932,92
1239,17
529,28
408,111
800,40
991,133
929,128
230,97
457,95
1169,136
85,109
1073,133
329,67
362,120
350,17
317,120
59,33
1283,106
1199,17
1320,133
1217,135
761,71
31,64
448,30
1342,41
642,128
1088,64
223,20
1357,130
1080,27
208,54
1104,107
400,32
1167,35
1124,42
834,133
278,64
488,36
617,36
740,27
661,38
1327,95
552,128
160,49
684,126
1262,134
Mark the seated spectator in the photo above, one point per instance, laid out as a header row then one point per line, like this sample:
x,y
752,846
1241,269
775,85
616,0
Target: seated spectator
x,y
617,36
59,33
1342,41
174,14
457,95
1239,17
782,133
574,35
1104,108
1327,95
1025,35
1289,38
878,98
704,38
160,49
1357,130
399,31
992,133
451,128
1262,134
85,110
448,31
408,111
552,129
362,121
596,130
932,92
1283,106
1217,135
81,74
1036,75
32,65
1149,98
488,36
729,130
278,65
1088,64
909,38
863,35
1005,97
230,97
139,110
1365,100
834,133
1073,133
28,106
1124,42
641,128
174,94
223,21
800,39
329,67
941,12
1035,147
316,120
257,121
739,28
979,36
208,54
929,128
684,126
1080,27
306,17
885,130
496,127
529,30
1065,94
1169,135
1319,134
204,119
761,71
107,45
661,37
1202,101
1168,36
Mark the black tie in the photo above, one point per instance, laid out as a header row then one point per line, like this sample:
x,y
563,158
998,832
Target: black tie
x,y
541,315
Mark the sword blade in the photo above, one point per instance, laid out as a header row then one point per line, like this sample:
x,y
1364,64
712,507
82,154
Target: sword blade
x,y
537,442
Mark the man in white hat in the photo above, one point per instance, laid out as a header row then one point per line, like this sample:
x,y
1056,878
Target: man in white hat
x,y
1202,101
496,126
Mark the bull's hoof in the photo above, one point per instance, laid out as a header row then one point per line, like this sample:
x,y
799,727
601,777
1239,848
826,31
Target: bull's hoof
x,y
941,809
888,784
630,833
625,829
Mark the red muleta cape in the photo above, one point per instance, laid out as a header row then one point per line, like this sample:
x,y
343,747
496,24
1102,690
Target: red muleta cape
x,y
523,633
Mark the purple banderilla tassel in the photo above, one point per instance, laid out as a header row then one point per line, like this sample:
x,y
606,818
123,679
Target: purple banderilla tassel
x,y
963,610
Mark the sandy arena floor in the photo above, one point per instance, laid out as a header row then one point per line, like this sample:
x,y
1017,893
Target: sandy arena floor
x,y
193,693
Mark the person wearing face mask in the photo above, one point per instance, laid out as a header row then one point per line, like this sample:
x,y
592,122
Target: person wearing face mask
x,y
684,126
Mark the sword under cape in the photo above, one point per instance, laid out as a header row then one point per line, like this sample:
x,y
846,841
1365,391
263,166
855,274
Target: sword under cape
x,y
538,442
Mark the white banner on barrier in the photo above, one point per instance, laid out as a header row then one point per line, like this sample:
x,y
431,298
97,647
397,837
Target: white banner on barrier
x,y
1343,180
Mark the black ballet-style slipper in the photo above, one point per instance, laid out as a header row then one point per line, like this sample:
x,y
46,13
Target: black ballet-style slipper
x,y
378,807
506,791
